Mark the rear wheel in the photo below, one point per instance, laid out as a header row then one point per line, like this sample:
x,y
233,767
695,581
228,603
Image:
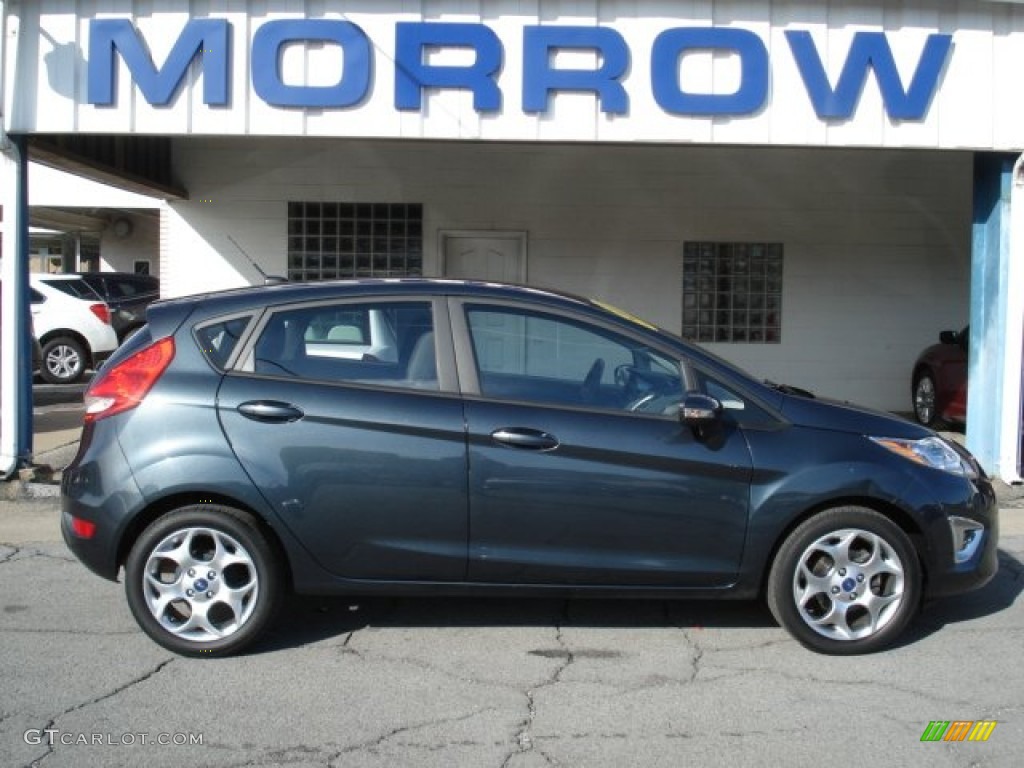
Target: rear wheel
x,y
846,581
64,360
203,580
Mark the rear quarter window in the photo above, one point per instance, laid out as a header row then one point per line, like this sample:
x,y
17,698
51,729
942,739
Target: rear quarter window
x,y
219,340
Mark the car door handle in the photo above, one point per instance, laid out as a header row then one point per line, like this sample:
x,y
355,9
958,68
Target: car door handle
x,y
270,411
530,439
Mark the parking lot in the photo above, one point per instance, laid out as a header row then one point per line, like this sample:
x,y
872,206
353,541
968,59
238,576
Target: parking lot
x,y
490,683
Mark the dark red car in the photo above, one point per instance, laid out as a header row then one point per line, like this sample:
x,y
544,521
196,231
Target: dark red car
x,y
940,380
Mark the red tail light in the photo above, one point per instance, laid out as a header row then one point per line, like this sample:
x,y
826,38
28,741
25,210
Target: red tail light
x,y
123,386
83,529
102,311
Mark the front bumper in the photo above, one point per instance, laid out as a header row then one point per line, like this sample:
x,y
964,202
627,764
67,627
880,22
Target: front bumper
x,y
945,575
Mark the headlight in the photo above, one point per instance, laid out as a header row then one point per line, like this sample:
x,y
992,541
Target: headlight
x,y
931,452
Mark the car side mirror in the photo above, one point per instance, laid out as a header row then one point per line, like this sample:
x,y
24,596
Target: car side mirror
x,y
699,410
949,337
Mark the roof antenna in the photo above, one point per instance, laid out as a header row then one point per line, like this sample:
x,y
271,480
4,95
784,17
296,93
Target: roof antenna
x,y
267,279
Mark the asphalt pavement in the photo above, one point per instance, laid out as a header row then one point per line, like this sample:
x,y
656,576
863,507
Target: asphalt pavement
x,y
496,682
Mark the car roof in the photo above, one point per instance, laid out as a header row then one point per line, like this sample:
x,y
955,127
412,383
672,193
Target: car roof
x,y
60,276
286,292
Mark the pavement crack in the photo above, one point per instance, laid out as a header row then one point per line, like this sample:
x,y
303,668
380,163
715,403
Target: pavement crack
x,y
8,556
51,631
523,741
373,744
698,655
110,694
24,553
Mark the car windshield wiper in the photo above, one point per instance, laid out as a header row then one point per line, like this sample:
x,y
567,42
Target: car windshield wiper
x,y
787,389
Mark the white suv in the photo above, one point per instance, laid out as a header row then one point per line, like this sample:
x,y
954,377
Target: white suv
x,y
72,324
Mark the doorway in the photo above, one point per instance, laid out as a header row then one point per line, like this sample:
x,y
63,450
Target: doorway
x,y
484,255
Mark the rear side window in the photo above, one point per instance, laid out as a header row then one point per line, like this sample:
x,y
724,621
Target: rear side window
x,y
219,340
381,343
77,288
126,288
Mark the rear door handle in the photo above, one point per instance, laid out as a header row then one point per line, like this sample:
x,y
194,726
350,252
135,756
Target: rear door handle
x,y
270,411
528,439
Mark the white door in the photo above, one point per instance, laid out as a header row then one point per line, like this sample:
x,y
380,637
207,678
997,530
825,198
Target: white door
x,y
497,256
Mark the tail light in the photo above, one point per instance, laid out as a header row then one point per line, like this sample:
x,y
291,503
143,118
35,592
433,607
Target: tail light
x,y
123,386
102,311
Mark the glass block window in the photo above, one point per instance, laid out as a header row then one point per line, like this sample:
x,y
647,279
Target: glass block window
x,y
732,292
331,240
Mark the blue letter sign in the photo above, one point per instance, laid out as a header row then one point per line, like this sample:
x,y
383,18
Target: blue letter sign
x,y
209,41
209,36
412,75
870,50
671,44
350,89
540,79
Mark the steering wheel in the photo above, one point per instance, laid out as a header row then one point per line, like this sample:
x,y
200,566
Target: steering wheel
x,y
592,381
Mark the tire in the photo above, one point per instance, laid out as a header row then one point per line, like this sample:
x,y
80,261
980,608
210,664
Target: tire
x,y
209,563
815,588
64,360
923,394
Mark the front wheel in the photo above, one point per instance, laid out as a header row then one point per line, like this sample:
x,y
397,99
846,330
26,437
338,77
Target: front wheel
x,y
203,580
846,581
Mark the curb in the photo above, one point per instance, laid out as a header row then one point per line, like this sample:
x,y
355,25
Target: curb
x,y
20,490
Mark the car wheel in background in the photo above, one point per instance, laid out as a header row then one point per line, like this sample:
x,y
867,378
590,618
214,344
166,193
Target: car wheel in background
x,y
924,398
846,581
64,360
203,580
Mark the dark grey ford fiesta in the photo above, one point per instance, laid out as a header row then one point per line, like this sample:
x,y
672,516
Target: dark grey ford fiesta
x,y
450,437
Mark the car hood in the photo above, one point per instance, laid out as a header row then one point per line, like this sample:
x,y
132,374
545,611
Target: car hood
x,y
846,417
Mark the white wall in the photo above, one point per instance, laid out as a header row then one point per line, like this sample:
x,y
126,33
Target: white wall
x,y
877,243
119,254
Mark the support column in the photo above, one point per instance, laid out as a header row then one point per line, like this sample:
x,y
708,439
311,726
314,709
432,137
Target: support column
x,y
16,346
997,322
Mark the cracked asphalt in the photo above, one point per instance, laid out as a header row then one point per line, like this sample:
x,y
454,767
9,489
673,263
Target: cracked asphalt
x,y
498,682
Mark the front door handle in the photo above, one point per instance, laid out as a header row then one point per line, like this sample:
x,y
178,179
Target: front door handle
x,y
270,411
529,439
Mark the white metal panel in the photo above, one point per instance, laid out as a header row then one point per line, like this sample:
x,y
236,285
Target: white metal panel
x,y
975,104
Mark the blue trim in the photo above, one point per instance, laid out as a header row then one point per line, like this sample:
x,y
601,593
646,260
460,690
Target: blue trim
x,y
990,254
20,299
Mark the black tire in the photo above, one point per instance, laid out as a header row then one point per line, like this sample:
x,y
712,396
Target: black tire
x,y
925,399
867,550
216,566
64,360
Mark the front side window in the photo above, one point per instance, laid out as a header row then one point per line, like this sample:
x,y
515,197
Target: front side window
x,y
383,343
535,357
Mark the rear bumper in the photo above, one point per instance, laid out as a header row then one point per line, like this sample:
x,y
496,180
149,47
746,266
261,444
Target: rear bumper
x,y
85,495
